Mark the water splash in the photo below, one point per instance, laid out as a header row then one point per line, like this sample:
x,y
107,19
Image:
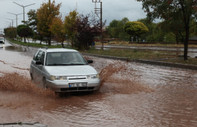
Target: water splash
x,y
107,72
115,78
17,83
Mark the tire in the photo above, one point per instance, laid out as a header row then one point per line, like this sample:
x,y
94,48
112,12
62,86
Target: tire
x,y
59,94
44,85
31,75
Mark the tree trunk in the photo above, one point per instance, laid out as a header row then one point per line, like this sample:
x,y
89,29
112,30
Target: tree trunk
x,y
24,39
131,40
186,42
49,41
177,38
62,44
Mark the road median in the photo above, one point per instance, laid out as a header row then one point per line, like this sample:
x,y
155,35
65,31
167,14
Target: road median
x,y
152,62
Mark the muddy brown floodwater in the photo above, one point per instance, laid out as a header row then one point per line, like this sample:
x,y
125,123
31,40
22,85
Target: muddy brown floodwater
x,y
131,95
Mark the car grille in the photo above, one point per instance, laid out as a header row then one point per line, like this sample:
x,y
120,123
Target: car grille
x,y
76,89
76,78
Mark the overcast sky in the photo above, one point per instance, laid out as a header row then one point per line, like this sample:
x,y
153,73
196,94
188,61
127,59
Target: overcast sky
x,y
112,9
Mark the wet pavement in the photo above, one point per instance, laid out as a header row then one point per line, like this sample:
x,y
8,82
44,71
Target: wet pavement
x,y
131,95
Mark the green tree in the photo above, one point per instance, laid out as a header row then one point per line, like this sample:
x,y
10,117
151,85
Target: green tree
x,y
70,26
116,29
174,25
135,29
57,29
112,29
45,15
166,9
10,32
155,34
24,31
32,20
32,23
193,26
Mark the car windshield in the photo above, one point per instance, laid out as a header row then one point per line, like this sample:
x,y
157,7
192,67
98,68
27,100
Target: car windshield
x,y
64,58
1,39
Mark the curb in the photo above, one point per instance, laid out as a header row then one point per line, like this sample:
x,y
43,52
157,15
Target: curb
x,y
159,63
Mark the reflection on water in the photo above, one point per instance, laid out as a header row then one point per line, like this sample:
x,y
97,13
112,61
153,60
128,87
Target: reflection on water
x,y
132,94
13,48
28,51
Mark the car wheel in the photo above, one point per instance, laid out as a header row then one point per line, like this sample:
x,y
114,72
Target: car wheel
x,y
59,94
44,85
31,75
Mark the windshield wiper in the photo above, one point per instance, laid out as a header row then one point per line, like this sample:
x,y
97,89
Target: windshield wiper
x,y
54,64
76,64
66,64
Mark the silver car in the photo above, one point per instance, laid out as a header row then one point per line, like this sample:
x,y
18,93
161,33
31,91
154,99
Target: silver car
x,y
63,70
2,40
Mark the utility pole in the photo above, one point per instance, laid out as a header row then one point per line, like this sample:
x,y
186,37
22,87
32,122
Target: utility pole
x,y
23,6
99,13
11,22
16,17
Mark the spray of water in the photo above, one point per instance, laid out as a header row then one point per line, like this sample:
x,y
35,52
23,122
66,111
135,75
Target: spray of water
x,y
107,72
17,83
113,80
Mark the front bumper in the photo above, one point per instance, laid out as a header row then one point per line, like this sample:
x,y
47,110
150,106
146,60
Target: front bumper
x,y
63,85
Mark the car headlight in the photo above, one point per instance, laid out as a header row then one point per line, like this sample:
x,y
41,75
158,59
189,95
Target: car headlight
x,y
58,78
93,76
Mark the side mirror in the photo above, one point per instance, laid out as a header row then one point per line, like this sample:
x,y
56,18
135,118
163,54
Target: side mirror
x,y
38,63
90,61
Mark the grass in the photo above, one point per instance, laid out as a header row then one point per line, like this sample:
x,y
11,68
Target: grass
x,y
126,43
134,54
131,54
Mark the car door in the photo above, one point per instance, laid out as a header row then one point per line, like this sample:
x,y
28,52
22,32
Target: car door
x,y
37,65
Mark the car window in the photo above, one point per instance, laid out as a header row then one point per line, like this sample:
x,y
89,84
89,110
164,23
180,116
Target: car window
x,y
40,57
64,58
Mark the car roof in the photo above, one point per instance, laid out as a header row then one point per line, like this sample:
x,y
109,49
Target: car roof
x,y
60,50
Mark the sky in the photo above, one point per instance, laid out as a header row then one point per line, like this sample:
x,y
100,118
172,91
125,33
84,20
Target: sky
x,y
112,9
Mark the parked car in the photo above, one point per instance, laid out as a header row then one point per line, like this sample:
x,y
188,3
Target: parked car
x,y
63,70
2,40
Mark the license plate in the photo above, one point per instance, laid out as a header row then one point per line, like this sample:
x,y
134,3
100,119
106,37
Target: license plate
x,y
81,84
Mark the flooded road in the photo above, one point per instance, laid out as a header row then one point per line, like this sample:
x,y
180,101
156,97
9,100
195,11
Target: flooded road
x,y
131,95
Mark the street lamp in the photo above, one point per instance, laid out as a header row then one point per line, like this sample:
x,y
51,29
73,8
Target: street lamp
x,y
16,17
12,21
23,6
94,1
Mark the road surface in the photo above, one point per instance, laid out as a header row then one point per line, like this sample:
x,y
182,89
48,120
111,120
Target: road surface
x,y
131,95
